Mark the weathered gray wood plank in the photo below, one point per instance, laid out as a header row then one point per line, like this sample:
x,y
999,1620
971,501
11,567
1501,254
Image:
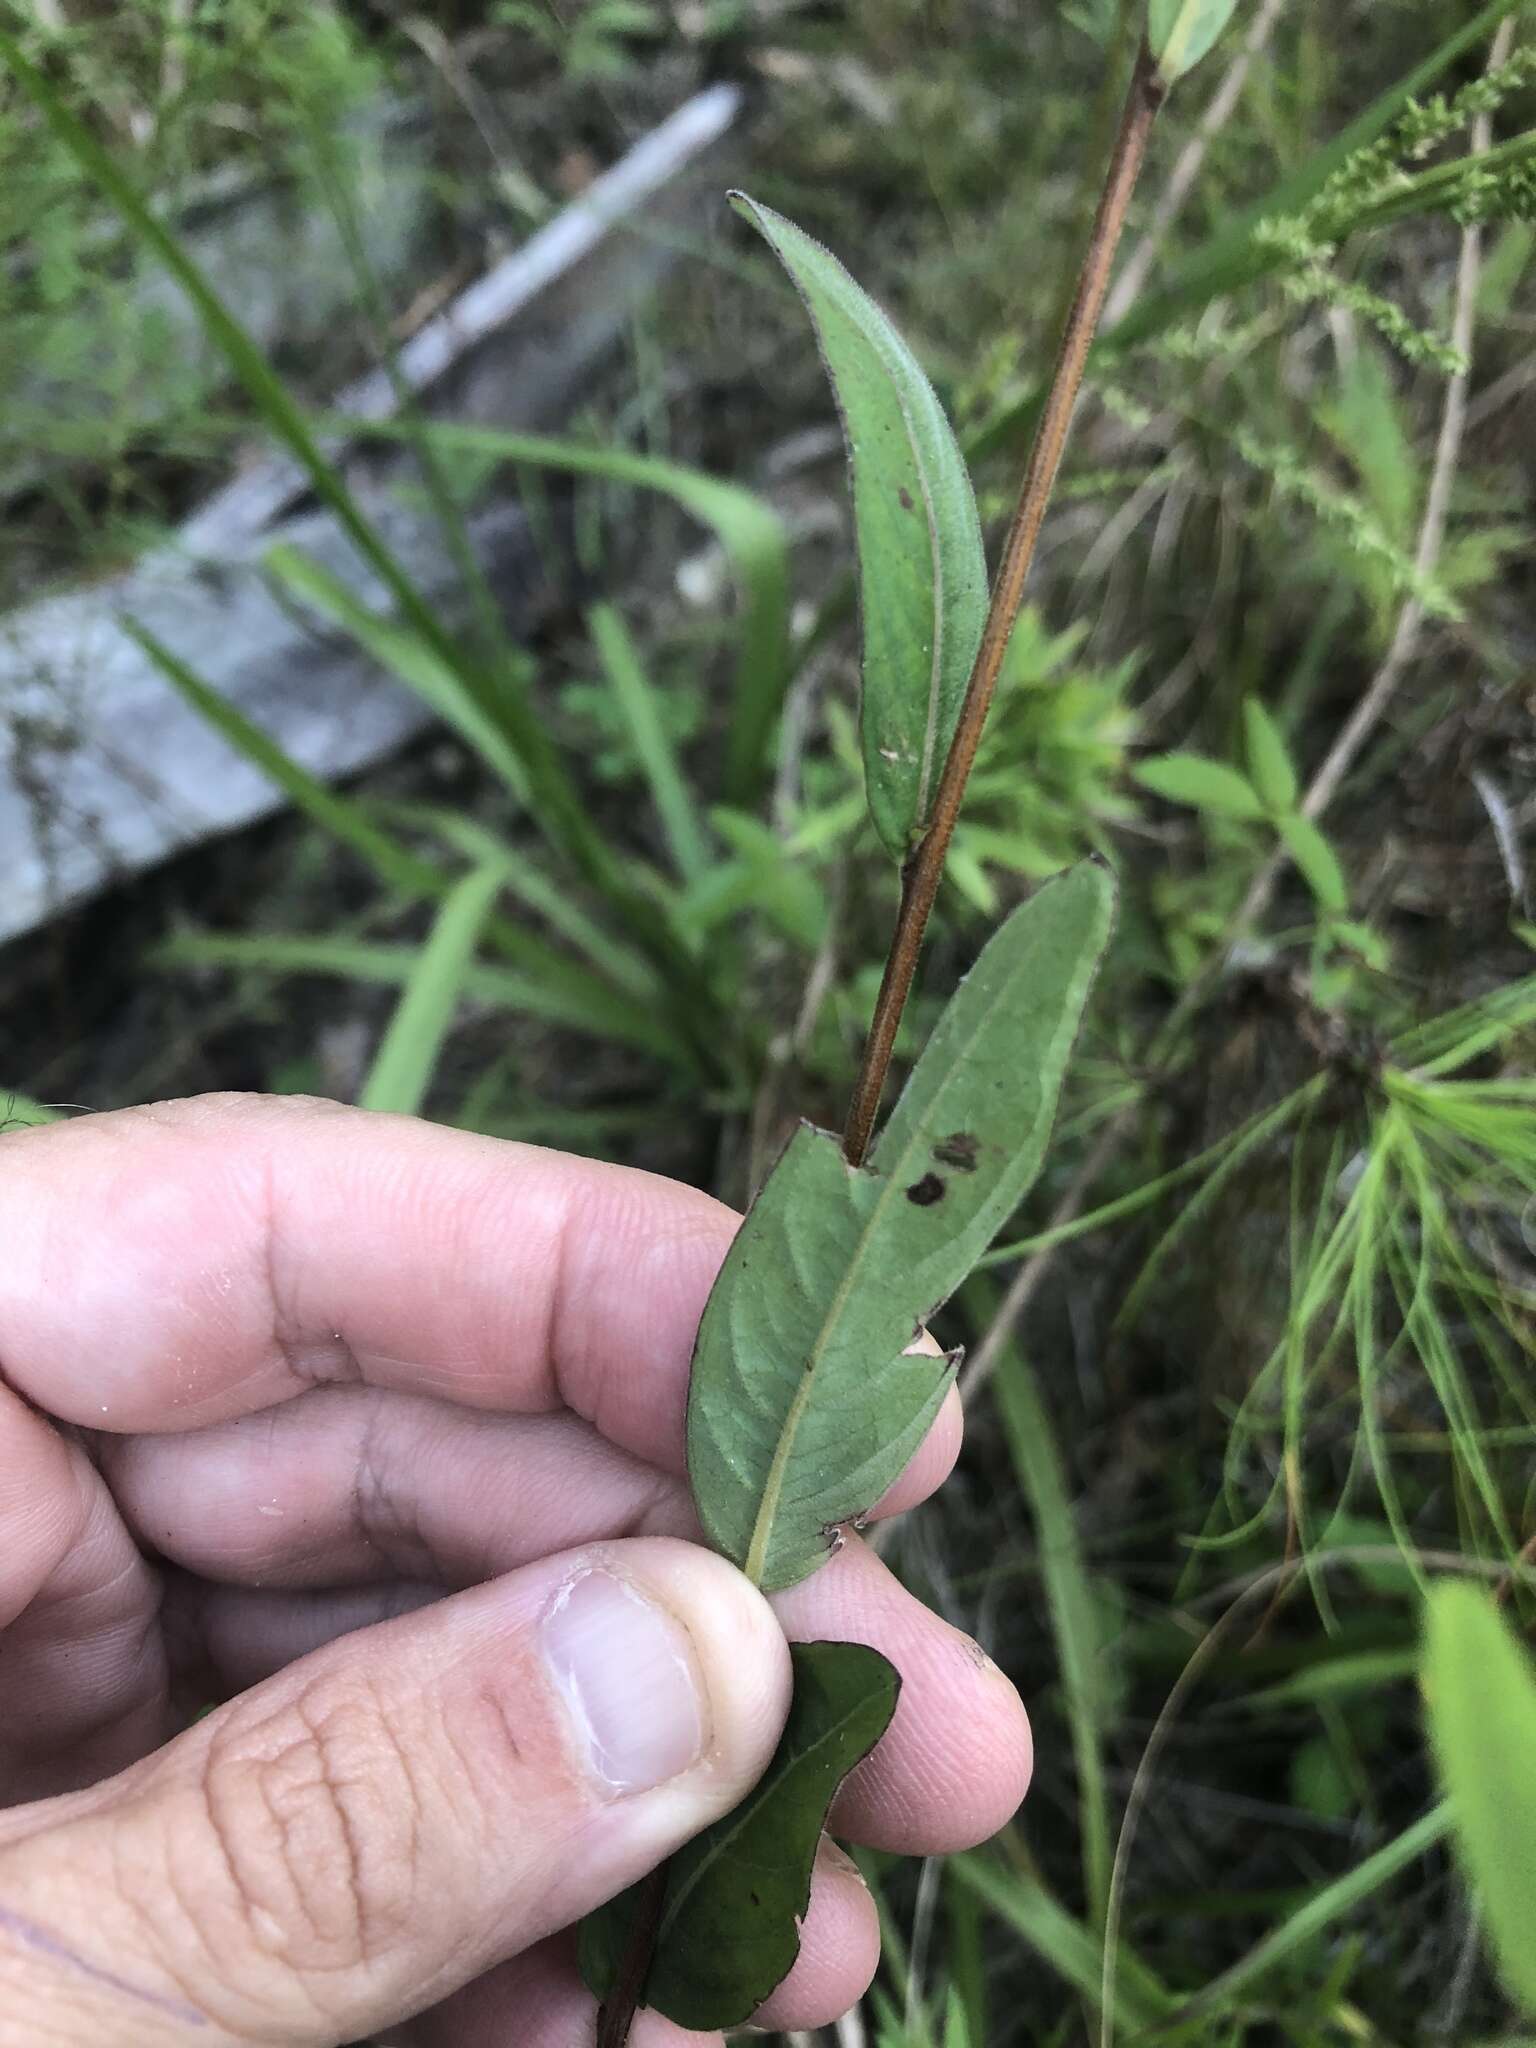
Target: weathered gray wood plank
x,y
103,770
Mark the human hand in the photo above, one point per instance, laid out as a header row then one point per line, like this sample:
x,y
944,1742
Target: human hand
x,y
275,1378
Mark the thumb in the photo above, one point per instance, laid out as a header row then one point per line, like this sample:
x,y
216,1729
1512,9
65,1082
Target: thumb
x,y
388,1818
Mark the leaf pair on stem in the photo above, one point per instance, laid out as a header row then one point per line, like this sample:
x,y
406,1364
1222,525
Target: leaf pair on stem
x,y
808,1398
808,1395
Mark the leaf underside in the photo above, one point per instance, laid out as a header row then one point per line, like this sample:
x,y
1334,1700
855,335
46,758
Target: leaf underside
x,y
1180,32
729,1927
922,569
805,1403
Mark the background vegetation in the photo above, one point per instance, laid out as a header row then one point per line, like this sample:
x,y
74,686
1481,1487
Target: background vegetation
x,y
1255,1361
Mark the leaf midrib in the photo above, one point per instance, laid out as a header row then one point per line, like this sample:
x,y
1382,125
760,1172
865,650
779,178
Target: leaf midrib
x,y
773,1485
936,664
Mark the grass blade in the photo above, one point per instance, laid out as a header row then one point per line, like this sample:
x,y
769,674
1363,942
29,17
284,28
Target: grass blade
x,y
635,696
1327,1905
749,530
403,1067
1063,1944
613,960
405,654
1074,1618
568,990
580,1001
334,813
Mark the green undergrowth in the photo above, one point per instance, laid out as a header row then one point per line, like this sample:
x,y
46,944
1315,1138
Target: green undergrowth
x,y
1274,1380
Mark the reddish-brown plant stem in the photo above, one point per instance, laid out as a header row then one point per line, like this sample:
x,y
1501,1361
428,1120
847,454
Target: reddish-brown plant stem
x,y
921,876
616,2014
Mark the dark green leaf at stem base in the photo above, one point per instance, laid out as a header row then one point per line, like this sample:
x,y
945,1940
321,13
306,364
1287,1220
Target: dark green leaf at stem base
x,y
729,1925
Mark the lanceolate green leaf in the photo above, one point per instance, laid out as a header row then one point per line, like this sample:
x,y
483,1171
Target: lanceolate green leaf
x,y
922,572
1269,759
1181,31
1481,1692
1317,860
1194,779
408,1055
806,1400
728,1931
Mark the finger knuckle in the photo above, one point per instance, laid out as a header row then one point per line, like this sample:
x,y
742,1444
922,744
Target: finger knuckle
x,y
315,1814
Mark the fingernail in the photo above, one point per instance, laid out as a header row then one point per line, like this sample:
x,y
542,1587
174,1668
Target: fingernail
x,y
627,1672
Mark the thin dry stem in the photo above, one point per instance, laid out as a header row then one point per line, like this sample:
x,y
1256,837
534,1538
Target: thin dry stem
x,y
920,880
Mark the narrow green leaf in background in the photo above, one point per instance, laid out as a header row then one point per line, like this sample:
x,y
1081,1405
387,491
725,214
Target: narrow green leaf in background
x,y
1317,861
922,572
747,527
558,809
1480,1691
635,696
729,1927
574,998
806,1401
407,1058
405,654
1319,1911
1075,1624
1269,759
1064,1944
335,813
957,2030
1195,779
1180,32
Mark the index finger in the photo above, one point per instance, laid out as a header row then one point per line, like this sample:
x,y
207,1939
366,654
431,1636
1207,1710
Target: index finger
x,y
172,1267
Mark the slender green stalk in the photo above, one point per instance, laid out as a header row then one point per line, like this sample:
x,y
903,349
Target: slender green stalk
x,y
1074,1623
639,706
1328,1904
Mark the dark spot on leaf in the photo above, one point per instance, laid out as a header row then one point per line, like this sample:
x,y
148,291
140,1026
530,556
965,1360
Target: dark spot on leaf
x,y
958,1149
927,1191
905,496
756,1898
